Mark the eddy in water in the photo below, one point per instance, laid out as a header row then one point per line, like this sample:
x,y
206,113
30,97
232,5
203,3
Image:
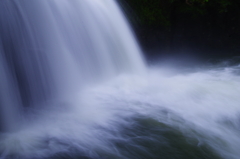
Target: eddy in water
x,y
74,86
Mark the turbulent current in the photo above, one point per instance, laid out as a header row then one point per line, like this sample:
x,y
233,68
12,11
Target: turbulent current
x,y
73,85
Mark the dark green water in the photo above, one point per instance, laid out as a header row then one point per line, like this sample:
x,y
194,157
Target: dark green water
x,y
147,138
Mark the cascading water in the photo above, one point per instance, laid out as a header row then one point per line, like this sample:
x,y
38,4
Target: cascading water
x,y
74,85
49,49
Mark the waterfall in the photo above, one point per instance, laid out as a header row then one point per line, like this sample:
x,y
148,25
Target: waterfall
x,y
73,84
50,49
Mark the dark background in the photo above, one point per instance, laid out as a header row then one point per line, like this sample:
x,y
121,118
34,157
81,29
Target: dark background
x,y
206,29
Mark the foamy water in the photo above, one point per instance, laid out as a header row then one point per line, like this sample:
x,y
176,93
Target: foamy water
x,y
203,105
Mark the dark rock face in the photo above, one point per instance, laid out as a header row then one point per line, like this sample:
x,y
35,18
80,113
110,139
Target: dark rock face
x,y
213,33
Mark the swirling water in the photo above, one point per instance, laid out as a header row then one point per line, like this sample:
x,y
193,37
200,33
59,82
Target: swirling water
x,y
163,114
74,86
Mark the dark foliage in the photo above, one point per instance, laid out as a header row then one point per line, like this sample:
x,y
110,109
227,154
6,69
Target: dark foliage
x,y
204,26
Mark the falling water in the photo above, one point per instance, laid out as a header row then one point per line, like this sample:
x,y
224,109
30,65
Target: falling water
x,y
50,49
74,85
